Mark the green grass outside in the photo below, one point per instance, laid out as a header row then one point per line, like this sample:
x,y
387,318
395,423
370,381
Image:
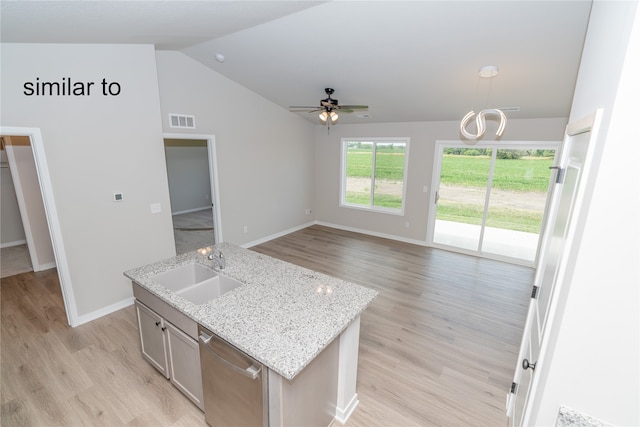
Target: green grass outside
x,y
389,166
389,163
527,174
380,200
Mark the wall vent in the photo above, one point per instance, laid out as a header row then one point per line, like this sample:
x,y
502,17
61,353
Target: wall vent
x,y
182,121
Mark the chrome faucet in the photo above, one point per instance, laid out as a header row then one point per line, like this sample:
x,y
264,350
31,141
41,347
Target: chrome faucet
x,y
217,257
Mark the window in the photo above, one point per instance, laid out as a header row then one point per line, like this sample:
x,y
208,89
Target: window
x,y
374,171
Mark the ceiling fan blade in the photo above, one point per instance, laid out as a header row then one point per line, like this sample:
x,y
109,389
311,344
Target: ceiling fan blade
x,y
353,107
302,108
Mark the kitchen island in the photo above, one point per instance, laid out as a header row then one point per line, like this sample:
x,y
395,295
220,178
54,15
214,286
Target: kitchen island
x,y
283,316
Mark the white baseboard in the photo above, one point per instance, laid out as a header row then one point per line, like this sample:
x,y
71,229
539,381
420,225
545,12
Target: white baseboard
x,y
338,227
373,233
46,266
343,414
276,235
10,244
86,318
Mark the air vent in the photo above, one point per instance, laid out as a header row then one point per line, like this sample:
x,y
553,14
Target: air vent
x,y
182,121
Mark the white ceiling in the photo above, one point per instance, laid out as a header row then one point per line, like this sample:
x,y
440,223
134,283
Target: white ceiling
x,y
408,60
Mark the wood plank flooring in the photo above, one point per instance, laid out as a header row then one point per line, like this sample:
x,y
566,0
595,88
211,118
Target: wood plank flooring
x,y
438,346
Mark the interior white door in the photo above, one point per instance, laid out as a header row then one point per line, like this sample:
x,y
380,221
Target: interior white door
x,y
576,155
30,202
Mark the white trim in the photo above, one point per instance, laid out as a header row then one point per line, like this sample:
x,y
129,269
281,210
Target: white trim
x,y
46,266
10,244
435,185
53,220
337,227
22,206
343,170
276,235
213,176
591,122
86,318
342,415
373,233
347,398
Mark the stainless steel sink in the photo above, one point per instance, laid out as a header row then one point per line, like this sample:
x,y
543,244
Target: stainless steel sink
x,y
196,283
184,276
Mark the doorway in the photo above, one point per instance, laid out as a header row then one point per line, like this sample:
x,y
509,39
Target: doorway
x,y
490,199
51,213
574,164
26,242
192,179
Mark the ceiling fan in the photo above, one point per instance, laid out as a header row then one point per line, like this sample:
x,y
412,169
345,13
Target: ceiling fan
x,y
328,108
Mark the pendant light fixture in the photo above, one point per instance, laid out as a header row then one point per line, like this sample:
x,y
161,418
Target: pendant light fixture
x,y
486,72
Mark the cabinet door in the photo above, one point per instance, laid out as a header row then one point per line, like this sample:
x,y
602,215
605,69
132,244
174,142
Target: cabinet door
x,y
184,362
152,338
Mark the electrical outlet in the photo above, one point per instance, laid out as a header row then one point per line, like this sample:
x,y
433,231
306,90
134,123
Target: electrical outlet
x,y
246,229
307,212
406,224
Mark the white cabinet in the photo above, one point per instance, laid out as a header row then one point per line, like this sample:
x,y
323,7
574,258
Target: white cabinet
x,y
172,352
184,364
153,340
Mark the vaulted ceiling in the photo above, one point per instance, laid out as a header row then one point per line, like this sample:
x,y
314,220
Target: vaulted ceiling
x,y
407,60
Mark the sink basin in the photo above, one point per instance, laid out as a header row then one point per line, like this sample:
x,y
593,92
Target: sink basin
x,y
208,289
185,276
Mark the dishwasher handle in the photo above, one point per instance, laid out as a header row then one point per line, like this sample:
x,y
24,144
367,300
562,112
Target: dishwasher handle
x,y
252,371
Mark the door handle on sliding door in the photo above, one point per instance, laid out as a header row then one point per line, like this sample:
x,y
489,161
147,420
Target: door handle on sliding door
x,y
437,197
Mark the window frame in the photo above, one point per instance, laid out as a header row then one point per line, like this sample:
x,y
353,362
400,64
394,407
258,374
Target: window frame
x,y
344,144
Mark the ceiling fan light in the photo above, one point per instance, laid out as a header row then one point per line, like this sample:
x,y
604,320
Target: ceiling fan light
x,y
334,116
323,117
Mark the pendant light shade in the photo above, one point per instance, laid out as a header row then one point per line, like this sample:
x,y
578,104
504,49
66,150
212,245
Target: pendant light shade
x,y
480,123
326,115
486,72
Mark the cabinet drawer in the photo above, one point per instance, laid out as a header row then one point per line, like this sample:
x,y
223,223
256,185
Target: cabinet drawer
x,y
173,315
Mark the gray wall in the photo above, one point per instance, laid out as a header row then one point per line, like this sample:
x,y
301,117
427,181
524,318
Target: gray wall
x,y
97,145
265,153
188,174
25,178
11,230
421,151
595,341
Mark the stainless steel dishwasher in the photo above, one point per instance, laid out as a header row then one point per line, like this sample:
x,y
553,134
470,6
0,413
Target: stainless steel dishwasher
x,y
234,385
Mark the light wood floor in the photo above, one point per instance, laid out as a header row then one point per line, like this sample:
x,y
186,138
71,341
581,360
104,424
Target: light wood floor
x,y
193,230
438,346
15,260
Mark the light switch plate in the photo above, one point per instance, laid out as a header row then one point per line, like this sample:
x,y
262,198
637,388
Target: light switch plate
x,y
155,208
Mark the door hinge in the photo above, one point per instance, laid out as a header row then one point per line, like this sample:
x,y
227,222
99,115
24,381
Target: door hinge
x,y
559,175
534,292
514,387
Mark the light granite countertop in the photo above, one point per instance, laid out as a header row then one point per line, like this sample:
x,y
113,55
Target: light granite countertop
x,y
568,417
283,316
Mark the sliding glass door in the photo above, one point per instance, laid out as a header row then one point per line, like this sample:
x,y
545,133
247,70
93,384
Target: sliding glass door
x,y
490,198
